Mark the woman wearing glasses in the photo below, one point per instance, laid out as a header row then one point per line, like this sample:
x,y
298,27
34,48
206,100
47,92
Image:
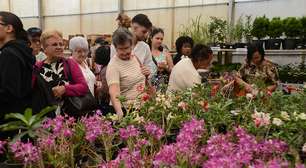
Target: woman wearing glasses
x,y
54,69
16,62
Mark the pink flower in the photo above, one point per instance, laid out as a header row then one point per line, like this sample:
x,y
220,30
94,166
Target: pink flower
x,y
141,143
140,88
128,132
67,133
25,152
261,119
95,126
154,130
166,156
183,105
2,146
46,143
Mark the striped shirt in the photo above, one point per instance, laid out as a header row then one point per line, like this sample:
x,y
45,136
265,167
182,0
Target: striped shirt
x,y
127,74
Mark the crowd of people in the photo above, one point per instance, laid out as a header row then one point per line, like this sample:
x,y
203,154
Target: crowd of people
x,y
34,73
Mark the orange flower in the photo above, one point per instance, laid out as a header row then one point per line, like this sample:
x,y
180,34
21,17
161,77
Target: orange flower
x,y
204,105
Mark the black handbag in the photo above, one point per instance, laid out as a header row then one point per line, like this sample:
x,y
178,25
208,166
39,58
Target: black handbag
x,y
78,106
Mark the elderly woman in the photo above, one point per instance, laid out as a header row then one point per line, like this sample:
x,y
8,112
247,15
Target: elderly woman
x,y
79,47
183,46
124,72
257,68
55,69
185,73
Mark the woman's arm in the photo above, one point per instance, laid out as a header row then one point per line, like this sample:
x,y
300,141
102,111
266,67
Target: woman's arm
x,y
114,91
78,85
169,62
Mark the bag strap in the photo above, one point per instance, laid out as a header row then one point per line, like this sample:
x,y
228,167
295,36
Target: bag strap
x,y
68,71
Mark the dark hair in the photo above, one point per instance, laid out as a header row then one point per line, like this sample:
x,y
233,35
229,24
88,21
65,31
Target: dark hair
x,y
101,41
142,20
102,55
121,36
11,19
181,41
34,32
253,48
200,51
155,31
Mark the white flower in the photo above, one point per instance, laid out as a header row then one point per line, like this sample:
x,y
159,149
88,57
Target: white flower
x,y
302,116
304,148
249,96
277,121
260,118
235,112
170,116
114,117
285,115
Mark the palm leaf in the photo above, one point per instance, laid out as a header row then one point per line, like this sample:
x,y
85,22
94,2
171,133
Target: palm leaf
x,y
16,116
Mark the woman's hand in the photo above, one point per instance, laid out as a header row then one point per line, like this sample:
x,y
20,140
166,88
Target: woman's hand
x,y
162,66
58,91
145,71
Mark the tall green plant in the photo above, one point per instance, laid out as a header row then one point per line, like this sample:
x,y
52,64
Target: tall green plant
x,y
303,30
248,28
292,27
217,29
239,30
275,28
260,27
197,30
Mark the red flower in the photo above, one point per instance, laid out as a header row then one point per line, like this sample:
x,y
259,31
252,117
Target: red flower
x,y
204,105
214,90
145,97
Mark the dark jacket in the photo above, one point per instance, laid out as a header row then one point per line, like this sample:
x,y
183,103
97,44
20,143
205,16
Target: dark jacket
x,y
16,65
176,58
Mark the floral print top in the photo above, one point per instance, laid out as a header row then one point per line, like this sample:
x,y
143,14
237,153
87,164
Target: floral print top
x,y
266,71
54,73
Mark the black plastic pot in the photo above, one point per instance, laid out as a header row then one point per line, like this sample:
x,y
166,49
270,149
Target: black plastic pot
x,y
273,44
258,42
289,44
301,44
241,45
229,46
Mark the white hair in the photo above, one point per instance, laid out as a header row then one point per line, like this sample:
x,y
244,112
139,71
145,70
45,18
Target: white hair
x,y
78,42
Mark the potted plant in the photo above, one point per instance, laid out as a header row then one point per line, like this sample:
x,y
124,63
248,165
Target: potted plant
x,y
302,44
292,29
239,32
274,32
260,28
217,31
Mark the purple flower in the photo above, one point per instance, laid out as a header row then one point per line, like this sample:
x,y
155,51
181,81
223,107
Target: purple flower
x,y
95,126
25,152
154,130
67,132
141,143
130,159
2,146
46,143
166,156
190,133
128,132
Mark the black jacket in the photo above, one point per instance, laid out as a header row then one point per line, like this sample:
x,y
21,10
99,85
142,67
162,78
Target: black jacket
x,y
16,65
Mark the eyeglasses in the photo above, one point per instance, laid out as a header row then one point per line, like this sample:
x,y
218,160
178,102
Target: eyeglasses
x,y
57,45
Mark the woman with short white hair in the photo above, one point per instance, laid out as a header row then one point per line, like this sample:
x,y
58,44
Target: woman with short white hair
x,y
79,47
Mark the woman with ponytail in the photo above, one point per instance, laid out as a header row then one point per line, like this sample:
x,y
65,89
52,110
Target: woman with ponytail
x,y
16,62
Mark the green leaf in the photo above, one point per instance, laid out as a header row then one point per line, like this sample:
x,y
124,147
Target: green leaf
x,y
13,125
44,111
28,114
16,116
